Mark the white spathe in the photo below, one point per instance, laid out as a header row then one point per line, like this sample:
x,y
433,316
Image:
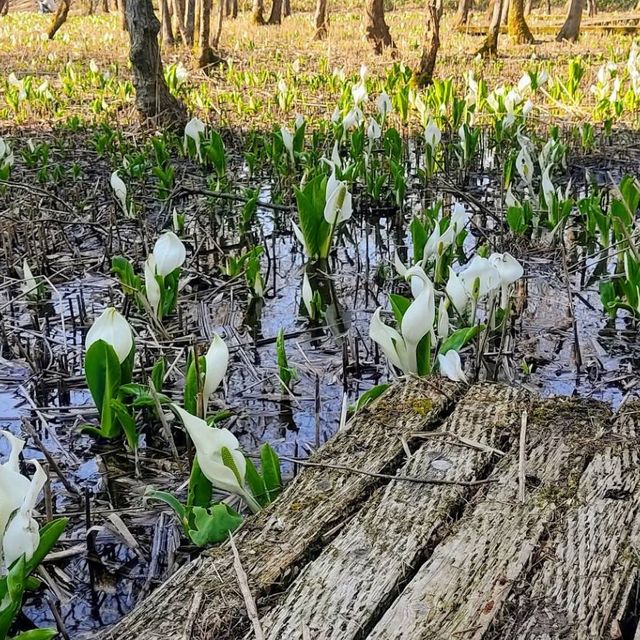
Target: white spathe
x,y
209,442
287,140
216,364
307,295
22,535
338,204
194,129
383,104
479,277
13,485
151,286
418,319
30,286
456,291
120,191
169,253
432,134
112,327
451,367
509,270
389,340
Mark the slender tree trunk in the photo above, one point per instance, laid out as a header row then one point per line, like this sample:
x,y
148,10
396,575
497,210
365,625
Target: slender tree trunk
x,y
122,7
519,31
286,8
257,12
571,28
592,8
275,17
489,47
321,20
431,44
178,12
462,15
234,9
548,10
153,99
215,42
4,7
165,17
377,30
89,8
504,18
190,22
207,56
105,6
59,18
527,7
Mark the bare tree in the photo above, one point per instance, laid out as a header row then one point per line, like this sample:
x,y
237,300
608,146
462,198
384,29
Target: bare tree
x,y
275,17
592,8
215,41
257,12
286,8
489,47
519,31
206,57
165,19
105,6
464,10
377,30
153,99
178,13
431,44
4,7
321,20
59,18
571,28
122,8
190,22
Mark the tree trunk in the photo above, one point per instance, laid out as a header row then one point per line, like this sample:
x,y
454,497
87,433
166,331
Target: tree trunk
x,y
122,7
153,99
592,8
519,31
504,18
4,7
431,45
207,56
165,17
527,7
571,28
234,9
105,6
464,9
377,30
59,18
489,47
190,22
257,12
178,12
275,17
321,20
215,42
286,8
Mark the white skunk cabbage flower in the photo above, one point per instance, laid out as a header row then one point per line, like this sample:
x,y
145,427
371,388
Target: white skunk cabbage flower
x,y
418,318
299,236
374,131
432,134
287,140
13,485
30,286
299,121
338,205
307,295
548,189
194,129
509,271
524,165
359,93
443,319
383,104
22,535
216,364
209,443
353,119
151,286
112,327
451,367
456,292
169,253
389,340
120,191
479,277
459,218
416,282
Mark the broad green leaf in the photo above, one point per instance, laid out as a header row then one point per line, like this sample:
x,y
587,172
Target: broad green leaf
x,y
271,471
200,490
256,484
213,525
36,634
157,374
171,501
399,306
460,338
371,395
127,423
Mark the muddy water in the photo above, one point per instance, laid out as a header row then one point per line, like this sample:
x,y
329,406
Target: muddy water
x,y
105,573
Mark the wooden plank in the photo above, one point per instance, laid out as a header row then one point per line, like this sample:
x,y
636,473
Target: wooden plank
x,y
462,586
340,594
202,600
585,584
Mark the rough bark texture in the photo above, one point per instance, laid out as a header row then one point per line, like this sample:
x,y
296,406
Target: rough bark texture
x,y
59,18
519,31
431,44
153,99
178,13
206,56
122,8
321,20
312,510
571,28
190,21
286,8
105,6
257,12
463,13
377,30
489,47
215,41
275,17
345,556
372,559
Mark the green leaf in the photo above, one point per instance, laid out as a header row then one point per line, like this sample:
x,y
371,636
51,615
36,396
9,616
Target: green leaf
x,y
460,338
191,389
171,501
127,423
271,471
315,229
36,634
11,590
213,525
256,484
399,306
157,374
371,395
49,535
200,490
123,270
102,371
